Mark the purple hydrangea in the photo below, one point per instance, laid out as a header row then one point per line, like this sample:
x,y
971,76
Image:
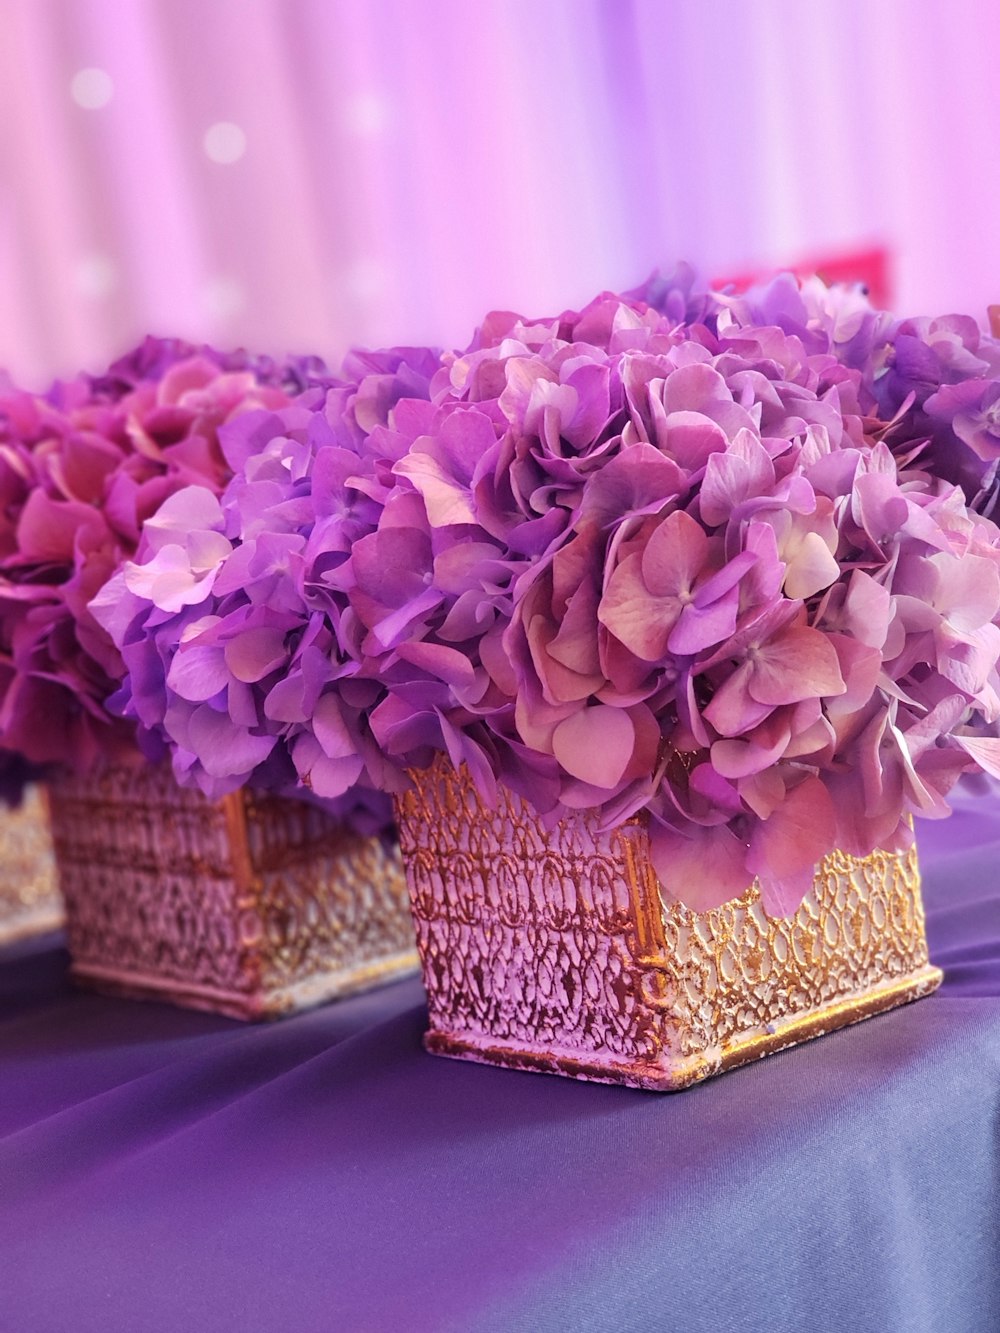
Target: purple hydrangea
x,y
153,357
661,555
933,385
81,468
242,648
691,582
687,573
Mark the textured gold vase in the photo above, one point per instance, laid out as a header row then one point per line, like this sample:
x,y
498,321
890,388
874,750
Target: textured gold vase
x,y
253,906
30,903
553,950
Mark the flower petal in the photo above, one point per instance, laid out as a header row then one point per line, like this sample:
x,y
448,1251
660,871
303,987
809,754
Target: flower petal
x,y
786,848
595,744
799,663
703,868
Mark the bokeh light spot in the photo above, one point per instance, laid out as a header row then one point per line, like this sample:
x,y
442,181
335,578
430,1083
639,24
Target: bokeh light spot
x,y
91,88
223,297
367,115
95,276
366,280
224,142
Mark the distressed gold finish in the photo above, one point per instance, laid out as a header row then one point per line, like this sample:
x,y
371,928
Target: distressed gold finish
x,y
554,950
253,906
30,902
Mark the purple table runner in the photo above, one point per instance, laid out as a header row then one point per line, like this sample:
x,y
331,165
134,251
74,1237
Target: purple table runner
x,y
166,1170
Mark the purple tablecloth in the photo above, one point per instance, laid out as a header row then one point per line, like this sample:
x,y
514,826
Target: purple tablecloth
x,y
166,1170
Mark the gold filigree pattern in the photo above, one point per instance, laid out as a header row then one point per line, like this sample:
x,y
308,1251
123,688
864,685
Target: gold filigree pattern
x,y
30,902
252,906
554,949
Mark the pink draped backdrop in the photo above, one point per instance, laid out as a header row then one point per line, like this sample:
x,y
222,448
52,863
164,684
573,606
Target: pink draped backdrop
x,y
301,174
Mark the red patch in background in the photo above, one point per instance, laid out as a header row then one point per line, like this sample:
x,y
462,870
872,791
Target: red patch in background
x,y
871,266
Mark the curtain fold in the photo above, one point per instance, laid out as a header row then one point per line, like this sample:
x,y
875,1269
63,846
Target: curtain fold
x,y
407,166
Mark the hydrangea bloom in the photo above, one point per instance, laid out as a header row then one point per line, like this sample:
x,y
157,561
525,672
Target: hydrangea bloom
x,y
657,555
933,384
81,468
241,646
153,357
672,569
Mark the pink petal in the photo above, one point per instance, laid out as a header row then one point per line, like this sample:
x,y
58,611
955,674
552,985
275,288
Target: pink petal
x,y
785,849
692,438
195,372
763,792
206,550
497,662
636,619
725,579
860,666
867,609
674,555
635,481
868,763
922,796
967,664
330,729
730,478
969,591
193,508
224,750
698,629
462,749
536,719
114,608
559,683
595,744
799,663
985,750
333,777
575,645
783,894
242,704
702,870
732,711
448,664
692,388
197,674
811,567
285,700
715,789
255,653
448,500
47,528
739,758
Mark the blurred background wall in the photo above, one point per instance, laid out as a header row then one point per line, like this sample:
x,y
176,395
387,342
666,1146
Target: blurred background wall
x,y
302,174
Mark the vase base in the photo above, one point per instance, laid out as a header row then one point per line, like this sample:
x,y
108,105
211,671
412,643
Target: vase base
x,y
672,1073
279,1002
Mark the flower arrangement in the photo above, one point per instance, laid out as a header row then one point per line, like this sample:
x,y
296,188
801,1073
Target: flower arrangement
x,y
81,468
739,612
674,554
252,905
241,645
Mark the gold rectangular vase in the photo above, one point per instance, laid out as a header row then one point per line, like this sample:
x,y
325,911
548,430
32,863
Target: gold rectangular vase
x,y
30,902
253,906
553,950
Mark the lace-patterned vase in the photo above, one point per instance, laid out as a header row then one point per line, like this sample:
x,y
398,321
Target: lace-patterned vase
x,y
253,906
554,950
30,902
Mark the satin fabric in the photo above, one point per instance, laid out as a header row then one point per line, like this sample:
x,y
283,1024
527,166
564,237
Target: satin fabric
x,y
168,1170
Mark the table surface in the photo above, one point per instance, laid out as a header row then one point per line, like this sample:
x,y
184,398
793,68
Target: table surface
x,y
162,1169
